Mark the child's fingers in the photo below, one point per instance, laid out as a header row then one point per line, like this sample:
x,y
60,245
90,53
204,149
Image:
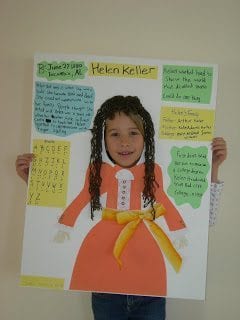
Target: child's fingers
x,y
219,143
220,153
22,168
21,161
218,140
22,165
25,156
24,159
219,150
219,147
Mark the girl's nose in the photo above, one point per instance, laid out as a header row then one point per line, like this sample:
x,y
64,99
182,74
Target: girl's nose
x,y
124,141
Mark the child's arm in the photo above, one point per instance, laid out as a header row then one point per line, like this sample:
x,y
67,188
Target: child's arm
x,y
219,149
22,165
172,216
71,213
73,210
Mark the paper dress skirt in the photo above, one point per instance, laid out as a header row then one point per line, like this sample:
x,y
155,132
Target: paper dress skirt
x,y
142,270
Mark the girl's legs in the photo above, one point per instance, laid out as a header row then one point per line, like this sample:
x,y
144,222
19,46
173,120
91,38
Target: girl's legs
x,y
127,307
147,308
109,306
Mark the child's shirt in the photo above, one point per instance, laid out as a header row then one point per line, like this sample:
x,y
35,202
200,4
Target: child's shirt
x,y
215,193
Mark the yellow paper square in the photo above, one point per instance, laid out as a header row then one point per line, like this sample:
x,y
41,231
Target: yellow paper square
x,y
49,173
178,123
42,282
104,69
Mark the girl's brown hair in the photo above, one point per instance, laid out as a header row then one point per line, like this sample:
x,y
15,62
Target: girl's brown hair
x,y
132,107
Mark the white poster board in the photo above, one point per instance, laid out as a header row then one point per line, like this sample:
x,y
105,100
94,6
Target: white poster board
x,y
67,91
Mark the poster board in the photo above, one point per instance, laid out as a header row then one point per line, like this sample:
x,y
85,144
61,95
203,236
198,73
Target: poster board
x,y
67,91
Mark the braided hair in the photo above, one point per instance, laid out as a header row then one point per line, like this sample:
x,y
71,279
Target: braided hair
x,y
132,107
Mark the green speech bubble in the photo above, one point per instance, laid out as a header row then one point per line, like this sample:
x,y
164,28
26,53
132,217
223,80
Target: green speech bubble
x,y
70,70
188,170
189,84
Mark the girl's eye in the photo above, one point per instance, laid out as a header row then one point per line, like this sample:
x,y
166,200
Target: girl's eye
x,y
114,134
134,133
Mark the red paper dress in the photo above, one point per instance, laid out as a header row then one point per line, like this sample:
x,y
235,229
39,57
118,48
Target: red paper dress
x,y
143,270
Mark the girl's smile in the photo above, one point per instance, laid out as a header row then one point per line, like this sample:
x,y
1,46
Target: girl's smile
x,y
124,141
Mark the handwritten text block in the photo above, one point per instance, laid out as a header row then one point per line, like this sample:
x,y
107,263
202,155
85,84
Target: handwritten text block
x,y
188,170
101,69
64,70
186,124
49,173
63,109
187,84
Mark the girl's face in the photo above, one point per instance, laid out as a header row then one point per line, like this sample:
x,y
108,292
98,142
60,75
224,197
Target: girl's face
x,y
124,141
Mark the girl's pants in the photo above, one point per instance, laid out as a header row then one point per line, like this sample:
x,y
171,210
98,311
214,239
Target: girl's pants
x,y
125,307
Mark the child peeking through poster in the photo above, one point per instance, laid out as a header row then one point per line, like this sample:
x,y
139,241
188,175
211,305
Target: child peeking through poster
x,y
125,252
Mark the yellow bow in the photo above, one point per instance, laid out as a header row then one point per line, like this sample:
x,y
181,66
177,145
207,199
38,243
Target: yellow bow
x,y
132,219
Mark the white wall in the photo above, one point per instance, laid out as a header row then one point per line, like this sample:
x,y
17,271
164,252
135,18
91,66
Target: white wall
x,y
199,31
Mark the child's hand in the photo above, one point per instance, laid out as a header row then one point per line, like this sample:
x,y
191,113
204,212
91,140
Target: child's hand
x,y
180,242
219,149
22,164
61,236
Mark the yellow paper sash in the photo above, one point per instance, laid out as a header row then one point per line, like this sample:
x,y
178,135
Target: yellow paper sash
x,y
132,218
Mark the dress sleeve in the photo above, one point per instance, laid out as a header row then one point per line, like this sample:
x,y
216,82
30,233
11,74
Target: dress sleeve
x,y
172,216
71,213
215,193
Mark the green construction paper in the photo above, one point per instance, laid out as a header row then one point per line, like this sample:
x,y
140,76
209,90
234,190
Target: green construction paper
x,y
188,170
188,84
70,70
